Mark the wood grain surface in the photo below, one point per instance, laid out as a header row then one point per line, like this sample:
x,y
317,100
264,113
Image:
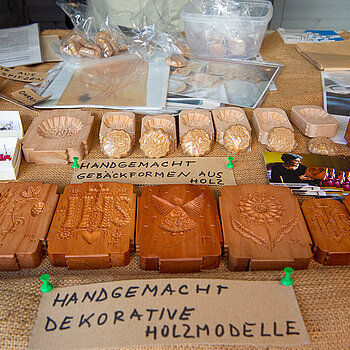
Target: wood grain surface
x,y
26,210
178,229
93,226
263,228
57,136
329,224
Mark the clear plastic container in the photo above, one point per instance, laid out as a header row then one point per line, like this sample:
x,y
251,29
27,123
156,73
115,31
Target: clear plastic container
x,y
235,33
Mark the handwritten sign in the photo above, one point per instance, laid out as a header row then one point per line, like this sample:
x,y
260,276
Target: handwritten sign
x,y
166,312
28,97
198,171
22,75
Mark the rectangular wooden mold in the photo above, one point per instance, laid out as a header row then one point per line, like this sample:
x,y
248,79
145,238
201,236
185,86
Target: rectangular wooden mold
x,y
266,119
313,121
93,226
263,228
224,117
329,224
178,229
26,210
57,136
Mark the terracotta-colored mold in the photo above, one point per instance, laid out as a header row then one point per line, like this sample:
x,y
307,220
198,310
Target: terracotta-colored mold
x,y
93,226
178,229
263,228
26,210
329,224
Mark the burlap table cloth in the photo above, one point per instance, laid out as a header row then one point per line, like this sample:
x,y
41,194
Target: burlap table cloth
x,y
323,293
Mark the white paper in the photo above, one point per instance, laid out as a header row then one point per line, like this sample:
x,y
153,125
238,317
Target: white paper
x,y
20,46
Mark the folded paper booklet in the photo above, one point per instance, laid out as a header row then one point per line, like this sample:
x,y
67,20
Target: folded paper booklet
x,y
327,56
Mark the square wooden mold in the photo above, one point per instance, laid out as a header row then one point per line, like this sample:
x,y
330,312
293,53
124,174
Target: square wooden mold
x,y
93,226
57,136
314,121
263,228
26,210
178,229
165,122
224,117
329,224
266,119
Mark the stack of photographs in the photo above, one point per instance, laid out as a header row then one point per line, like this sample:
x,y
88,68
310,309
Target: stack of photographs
x,y
309,174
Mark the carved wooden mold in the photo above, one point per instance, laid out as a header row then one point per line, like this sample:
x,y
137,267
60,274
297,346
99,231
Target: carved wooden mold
x,y
178,229
57,136
314,121
266,119
93,226
26,209
263,228
329,224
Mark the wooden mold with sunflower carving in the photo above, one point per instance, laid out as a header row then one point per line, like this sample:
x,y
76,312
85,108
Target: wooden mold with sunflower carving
x,y
57,136
26,210
93,226
178,229
263,228
329,224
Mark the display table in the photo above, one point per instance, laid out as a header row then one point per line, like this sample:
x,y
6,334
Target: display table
x,y
323,293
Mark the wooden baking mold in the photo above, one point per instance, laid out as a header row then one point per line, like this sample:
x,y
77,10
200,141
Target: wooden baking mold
x,y
313,121
57,136
196,131
117,133
263,228
178,229
93,226
266,119
329,224
167,124
224,117
26,210
118,121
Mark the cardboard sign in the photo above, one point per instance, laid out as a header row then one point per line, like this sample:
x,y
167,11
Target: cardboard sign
x,y
198,171
28,97
22,75
166,312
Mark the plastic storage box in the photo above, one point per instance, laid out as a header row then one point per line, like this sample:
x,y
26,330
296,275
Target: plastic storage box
x,y
236,32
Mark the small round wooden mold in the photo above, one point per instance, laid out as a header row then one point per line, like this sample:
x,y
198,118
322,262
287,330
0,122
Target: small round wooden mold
x,y
118,121
314,121
59,127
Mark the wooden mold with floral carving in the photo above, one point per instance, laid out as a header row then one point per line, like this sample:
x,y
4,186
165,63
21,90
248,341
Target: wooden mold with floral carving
x,y
263,228
178,229
26,210
93,226
329,224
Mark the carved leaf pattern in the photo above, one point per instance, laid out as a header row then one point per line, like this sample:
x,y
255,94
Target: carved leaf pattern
x,y
31,191
245,232
283,231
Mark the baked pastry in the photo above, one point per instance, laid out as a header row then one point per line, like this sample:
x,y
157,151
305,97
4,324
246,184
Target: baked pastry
x,y
117,144
176,61
155,143
281,139
322,145
196,143
237,138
